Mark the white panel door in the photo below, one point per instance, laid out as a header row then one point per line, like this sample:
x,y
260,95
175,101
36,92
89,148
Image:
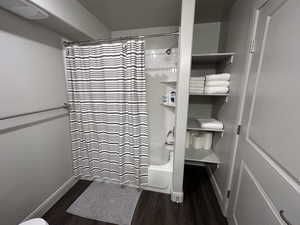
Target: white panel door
x,y
267,175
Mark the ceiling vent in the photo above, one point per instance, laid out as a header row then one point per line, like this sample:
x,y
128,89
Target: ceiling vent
x,y
24,8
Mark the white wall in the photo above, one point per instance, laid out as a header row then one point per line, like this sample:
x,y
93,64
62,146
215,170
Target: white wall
x,y
206,37
35,151
158,126
206,40
152,43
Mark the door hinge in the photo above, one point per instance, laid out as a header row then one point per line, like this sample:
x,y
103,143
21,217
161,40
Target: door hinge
x,y
228,193
252,46
238,130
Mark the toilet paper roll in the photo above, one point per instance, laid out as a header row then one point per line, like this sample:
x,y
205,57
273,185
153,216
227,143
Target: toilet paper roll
x,y
187,139
207,141
198,141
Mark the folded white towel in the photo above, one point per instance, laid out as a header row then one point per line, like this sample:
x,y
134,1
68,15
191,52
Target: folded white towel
x,y
221,76
210,124
197,81
216,90
197,86
217,83
197,78
197,92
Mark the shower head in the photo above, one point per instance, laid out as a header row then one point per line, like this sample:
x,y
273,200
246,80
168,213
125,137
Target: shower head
x,y
169,51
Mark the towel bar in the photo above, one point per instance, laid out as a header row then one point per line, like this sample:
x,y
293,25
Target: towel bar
x,y
283,217
64,106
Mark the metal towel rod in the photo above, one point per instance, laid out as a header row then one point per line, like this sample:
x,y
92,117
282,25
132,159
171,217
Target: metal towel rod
x,y
64,106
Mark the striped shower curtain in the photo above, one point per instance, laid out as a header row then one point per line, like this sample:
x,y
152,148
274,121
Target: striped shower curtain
x,y
109,130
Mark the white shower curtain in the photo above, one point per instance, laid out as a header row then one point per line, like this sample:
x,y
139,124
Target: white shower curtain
x,y
109,121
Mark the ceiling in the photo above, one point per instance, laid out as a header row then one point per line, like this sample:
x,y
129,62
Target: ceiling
x,y
132,14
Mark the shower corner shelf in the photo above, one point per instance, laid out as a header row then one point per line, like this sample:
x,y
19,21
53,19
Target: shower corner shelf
x,y
170,105
193,125
200,157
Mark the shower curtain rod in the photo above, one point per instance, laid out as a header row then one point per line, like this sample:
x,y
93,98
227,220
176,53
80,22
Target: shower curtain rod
x,y
90,42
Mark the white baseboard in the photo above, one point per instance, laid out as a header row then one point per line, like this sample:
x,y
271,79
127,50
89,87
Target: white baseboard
x,y
52,199
217,191
157,189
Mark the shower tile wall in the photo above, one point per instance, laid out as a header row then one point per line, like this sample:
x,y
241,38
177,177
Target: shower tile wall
x,y
161,119
159,67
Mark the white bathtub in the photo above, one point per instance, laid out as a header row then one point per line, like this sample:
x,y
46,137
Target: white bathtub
x,y
160,177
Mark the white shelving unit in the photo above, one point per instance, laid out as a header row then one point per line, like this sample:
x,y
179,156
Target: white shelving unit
x,y
218,62
193,125
200,157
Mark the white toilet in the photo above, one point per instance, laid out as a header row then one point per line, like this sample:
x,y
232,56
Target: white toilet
x,y
37,221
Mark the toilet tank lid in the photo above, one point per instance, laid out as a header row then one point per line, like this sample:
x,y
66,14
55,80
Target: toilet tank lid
x,y
37,221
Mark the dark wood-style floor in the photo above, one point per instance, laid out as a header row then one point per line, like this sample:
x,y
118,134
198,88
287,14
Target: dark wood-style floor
x,y
200,206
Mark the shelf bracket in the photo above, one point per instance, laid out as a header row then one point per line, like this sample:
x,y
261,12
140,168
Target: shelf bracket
x,y
252,46
238,130
226,99
231,59
228,194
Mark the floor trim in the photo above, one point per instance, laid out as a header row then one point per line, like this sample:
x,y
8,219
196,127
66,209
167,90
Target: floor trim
x,y
217,190
52,199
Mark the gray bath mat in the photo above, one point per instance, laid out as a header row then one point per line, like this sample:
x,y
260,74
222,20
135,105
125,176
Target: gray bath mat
x,y
109,203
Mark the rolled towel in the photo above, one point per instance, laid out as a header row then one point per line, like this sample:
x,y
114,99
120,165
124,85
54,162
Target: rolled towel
x,y
221,76
217,83
210,124
216,90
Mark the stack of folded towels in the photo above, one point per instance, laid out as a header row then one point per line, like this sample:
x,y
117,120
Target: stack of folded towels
x,y
210,84
210,124
197,84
